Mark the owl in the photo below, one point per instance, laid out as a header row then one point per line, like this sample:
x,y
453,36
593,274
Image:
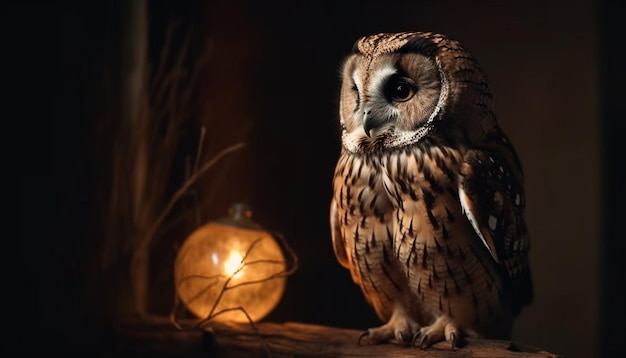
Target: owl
x,y
428,198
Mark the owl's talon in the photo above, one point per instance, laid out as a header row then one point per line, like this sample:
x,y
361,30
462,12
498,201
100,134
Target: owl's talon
x,y
400,338
417,335
363,335
424,342
453,341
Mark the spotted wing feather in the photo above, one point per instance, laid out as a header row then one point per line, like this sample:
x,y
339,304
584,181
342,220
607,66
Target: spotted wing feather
x,y
492,194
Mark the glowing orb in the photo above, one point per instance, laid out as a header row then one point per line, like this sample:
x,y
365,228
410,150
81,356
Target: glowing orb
x,y
226,265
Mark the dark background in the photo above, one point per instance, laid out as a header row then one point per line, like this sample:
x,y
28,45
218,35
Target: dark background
x,y
558,84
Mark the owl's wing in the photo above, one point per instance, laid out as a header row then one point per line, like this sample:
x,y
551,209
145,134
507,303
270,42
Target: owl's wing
x,y
339,245
492,196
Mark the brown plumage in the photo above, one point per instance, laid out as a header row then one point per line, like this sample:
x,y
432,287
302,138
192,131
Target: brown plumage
x,y
427,211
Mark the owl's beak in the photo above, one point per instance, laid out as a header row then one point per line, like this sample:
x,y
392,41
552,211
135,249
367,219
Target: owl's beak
x,y
371,122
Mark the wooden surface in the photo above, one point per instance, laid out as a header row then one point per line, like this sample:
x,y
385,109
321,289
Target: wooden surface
x,y
292,340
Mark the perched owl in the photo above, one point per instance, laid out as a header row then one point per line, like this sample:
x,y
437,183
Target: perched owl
x,y
428,198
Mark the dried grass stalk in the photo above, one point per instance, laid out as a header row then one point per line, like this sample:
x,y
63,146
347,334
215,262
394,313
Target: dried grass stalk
x,y
143,130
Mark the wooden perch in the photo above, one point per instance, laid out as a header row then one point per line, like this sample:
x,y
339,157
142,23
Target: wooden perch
x,y
299,340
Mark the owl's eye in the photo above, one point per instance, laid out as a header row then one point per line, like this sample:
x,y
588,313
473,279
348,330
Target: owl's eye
x,y
399,89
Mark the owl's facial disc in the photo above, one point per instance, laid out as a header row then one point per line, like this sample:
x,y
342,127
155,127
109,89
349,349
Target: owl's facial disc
x,y
389,100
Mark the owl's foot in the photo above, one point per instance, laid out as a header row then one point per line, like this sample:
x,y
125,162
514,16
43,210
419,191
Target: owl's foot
x,y
400,327
443,328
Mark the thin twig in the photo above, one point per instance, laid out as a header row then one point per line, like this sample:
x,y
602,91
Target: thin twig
x,y
199,150
230,278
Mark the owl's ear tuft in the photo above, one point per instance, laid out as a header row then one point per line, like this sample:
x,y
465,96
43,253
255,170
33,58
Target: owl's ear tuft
x,y
421,45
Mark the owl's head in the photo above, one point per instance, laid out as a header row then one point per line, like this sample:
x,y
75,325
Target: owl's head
x,y
399,88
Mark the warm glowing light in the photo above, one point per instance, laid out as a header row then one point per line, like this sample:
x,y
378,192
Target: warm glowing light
x,y
228,264
232,264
